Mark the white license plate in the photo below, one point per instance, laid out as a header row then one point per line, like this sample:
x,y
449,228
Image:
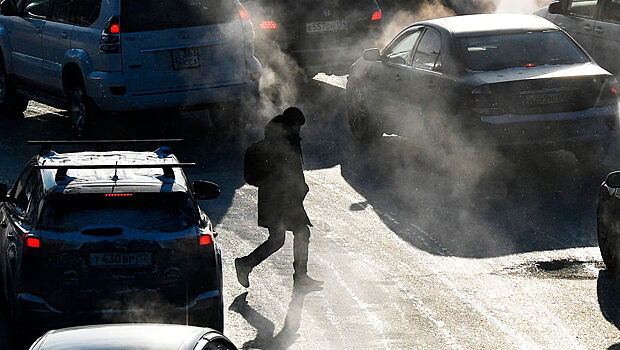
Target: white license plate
x,y
185,58
331,26
120,259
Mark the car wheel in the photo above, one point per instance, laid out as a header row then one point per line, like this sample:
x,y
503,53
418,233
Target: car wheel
x,y
84,113
607,240
360,121
10,102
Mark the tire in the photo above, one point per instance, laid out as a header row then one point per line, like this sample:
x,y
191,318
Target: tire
x,y
363,129
11,103
83,111
607,240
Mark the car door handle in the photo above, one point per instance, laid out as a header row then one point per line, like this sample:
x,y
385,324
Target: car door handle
x,y
587,27
64,36
3,224
397,77
39,29
599,30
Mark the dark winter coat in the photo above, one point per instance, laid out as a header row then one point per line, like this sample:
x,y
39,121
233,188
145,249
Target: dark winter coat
x,y
282,186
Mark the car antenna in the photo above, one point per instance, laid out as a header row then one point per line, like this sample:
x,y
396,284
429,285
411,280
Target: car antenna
x,y
115,177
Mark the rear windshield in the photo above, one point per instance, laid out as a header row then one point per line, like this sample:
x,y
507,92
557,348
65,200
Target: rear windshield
x,y
140,212
145,15
495,52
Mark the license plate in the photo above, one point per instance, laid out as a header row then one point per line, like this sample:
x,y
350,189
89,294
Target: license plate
x,y
331,26
547,99
120,259
185,58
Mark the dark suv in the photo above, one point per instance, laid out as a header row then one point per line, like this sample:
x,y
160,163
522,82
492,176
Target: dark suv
x,y
324,35
110,236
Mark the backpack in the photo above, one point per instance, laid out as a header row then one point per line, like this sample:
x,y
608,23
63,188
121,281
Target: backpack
x,y
254,164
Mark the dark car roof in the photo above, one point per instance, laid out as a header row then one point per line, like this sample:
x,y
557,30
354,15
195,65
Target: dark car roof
x,y
487,24
100,180
125,337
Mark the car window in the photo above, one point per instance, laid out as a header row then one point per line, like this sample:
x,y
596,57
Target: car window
x,y
139,212
166,14
36,8
24,190
583,8
86,12
400,52
79,12
503,51
611,13
428,51
61,11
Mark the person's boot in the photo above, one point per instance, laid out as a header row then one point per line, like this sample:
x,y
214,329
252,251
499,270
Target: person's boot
x,y
306,282
243,272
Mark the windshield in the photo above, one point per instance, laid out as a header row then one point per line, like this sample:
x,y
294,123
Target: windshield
x,y
145,15
495,52
144,212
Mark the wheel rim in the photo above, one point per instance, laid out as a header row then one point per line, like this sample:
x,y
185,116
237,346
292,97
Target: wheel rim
x,y
359,119
78,109
359,124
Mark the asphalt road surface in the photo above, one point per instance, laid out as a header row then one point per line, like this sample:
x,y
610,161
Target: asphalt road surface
x,y
419,249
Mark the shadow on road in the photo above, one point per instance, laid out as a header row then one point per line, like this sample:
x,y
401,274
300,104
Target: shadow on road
x,y
490,206
265,338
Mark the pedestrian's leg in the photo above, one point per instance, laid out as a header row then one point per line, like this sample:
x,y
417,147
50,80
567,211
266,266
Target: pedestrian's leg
x,y
300,250
245,265
300,247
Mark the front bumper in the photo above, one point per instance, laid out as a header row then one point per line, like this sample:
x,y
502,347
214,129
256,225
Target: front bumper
x,y
205,306
551,131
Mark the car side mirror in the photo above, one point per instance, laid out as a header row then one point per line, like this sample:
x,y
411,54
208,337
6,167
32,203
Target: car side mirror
x,y
371,55
205,190
8,8
4,190
558,7
613,179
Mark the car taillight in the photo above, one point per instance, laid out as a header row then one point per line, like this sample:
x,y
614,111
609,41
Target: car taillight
x,y
269,25
609,92
110,38
243,13
206,239
33,242
376,16
483,101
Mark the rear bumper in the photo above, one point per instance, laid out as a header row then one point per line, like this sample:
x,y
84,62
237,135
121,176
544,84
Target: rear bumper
x,y
315,57
100,87
204,307
551,131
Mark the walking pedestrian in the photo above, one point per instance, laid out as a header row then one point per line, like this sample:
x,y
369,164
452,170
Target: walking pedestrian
x,y
274,164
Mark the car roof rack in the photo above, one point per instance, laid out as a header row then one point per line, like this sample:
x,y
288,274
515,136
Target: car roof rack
x,y
46,145
61,169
